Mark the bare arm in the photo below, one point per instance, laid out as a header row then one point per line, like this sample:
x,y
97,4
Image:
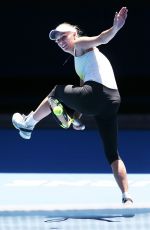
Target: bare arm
x,y
105,36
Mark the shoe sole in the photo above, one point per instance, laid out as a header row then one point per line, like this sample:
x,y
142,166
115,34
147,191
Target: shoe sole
x,y
80,127
20,131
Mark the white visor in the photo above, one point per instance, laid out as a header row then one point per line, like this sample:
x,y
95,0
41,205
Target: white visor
x,y
61,29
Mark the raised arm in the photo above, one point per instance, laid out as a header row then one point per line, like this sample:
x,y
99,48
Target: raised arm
x,y
105,36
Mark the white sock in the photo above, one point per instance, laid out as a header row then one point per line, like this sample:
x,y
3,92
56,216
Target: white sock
x,y
126,195
30,121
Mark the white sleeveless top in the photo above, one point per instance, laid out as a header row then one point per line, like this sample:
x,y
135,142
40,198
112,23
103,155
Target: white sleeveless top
x,y
94,66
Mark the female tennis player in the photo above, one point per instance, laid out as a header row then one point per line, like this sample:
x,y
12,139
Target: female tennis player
x,y
98,96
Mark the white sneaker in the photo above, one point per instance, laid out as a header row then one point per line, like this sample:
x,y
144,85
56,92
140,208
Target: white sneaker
x,y
19,122
127,202
77,125
128,208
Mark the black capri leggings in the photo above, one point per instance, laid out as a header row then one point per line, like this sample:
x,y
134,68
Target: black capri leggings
x,y
96,100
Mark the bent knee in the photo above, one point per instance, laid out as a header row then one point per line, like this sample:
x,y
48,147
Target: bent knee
x,y
113,157
56,91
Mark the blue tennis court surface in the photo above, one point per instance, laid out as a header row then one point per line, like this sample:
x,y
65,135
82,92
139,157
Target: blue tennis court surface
x,y
61,180
69,151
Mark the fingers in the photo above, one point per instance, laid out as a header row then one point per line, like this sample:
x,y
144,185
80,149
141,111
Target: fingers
x,y
124,8
116,14
123,11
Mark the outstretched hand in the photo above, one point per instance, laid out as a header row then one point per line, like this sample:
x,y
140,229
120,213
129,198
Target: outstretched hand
x,y
120,18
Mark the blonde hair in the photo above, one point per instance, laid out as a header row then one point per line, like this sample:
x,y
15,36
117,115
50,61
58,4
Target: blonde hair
x,y
65,26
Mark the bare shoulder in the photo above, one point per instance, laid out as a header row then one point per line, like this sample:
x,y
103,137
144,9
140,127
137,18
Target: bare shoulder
x,y
79,46
85,43
78,50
